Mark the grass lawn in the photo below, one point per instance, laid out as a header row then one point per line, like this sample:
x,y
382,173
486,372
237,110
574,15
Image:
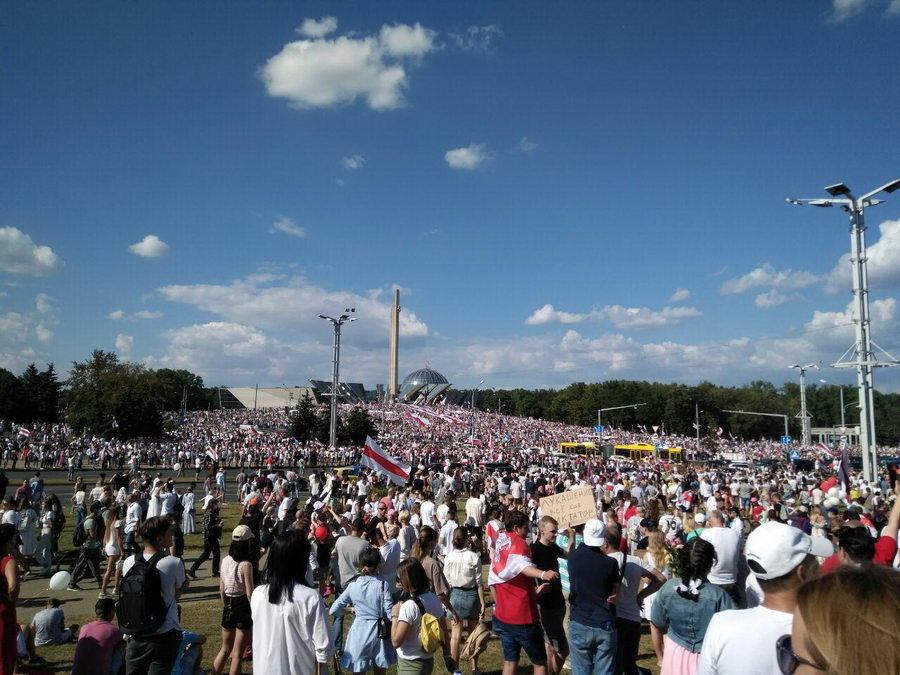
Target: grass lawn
x,y
201,612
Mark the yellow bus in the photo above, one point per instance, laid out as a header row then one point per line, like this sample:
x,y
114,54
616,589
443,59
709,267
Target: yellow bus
x,y
581,449
641,451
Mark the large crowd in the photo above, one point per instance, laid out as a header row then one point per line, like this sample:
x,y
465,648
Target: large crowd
x,y
732,569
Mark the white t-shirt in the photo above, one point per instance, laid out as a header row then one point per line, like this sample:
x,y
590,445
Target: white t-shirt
x,y
411,649
171,577
743,641
427,513
473,512
727,543
626,599
132,517
292,636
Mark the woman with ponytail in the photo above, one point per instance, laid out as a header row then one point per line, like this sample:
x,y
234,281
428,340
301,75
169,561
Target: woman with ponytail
x,y
683,608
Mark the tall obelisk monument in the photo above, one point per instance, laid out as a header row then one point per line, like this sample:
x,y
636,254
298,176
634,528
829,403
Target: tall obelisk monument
x,y
393,385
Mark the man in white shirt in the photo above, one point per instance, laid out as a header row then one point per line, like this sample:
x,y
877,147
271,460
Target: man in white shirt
x,y
474,514
742,640
426,512
727,544
132,522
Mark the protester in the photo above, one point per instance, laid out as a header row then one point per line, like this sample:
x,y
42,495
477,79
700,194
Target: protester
x,y
9,596
235,590
727,543
101,645
112,548
89,553
551,603
781,557
49,626
683,609
290,622
212,532
462,569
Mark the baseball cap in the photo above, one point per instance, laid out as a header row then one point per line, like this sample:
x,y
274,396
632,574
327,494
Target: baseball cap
x,y
774,549
241,533
700,518
594,532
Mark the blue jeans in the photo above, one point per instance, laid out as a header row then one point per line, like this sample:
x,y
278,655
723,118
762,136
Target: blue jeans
x,y
592,650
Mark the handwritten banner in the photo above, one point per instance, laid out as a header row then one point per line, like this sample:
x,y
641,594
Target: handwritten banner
x,y
569,508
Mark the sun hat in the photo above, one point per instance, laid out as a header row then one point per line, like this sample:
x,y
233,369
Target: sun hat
x,y
774,549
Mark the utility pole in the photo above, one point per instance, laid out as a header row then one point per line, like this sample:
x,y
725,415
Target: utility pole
x,y
860,355
804,413
697,424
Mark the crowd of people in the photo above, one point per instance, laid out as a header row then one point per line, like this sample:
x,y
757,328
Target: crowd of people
x,y
763,569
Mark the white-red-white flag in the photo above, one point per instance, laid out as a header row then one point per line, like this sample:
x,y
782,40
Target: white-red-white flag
x,y
376,458
415,417
511,555
24,432
212,454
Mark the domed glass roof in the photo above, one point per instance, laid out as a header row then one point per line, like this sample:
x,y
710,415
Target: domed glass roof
x,y
424,376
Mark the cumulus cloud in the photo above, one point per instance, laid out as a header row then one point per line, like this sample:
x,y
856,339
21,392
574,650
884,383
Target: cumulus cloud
x,y
146,314
323,73
527,145
251,302
116,315
771,298
883,262
124,345
20,255
680,295
639,318
43,334
547,314
767,276
318,29
893,9
44,303
150,246
469,158
287,226
476,38
353,162
142,315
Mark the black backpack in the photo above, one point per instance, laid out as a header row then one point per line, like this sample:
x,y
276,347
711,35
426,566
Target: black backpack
x,y
79,535
141,609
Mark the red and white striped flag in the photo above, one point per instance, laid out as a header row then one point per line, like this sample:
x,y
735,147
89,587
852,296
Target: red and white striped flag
x,y
376,458
24,432
416,417
511,556
826,449
212,454
843,465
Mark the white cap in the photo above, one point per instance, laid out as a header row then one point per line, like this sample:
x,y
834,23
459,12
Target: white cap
x,y
594,532
774,549
700,518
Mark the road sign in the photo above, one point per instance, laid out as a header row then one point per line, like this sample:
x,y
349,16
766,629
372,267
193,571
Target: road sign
x,y
599,428
795,454
786,440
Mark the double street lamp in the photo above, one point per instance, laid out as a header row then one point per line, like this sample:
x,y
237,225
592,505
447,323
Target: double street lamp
x,y
336,364
804,413
860,355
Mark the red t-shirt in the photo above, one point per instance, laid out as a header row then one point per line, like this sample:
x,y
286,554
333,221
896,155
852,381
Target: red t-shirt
x,y
885,550
516,601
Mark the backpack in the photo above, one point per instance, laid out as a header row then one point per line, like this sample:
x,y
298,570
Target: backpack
x,y
79,535
429,629
141,608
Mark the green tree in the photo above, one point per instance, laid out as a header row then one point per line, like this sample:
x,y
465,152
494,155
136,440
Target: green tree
x,y
359,425
10,396
178,382
305,420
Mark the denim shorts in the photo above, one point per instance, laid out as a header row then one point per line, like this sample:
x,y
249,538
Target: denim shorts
x,y
464,602
515,637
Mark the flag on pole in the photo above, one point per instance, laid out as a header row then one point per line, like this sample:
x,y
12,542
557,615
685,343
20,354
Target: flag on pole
x,y
843,465
212,454
376,458
696,426
826,449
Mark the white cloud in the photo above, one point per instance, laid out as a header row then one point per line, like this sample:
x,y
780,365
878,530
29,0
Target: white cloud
x,y
766,276
353,162
771,298
44,304
547,314
251,303
287,226
116,315
845,9
402,40
147,315
476,38
323,73
893,9
318,29
883,262
20,255
150,246
680,295
527,145
124,345
43,334
469,158
639,318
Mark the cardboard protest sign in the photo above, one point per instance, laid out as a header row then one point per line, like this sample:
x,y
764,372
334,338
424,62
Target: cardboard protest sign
x,y
572,507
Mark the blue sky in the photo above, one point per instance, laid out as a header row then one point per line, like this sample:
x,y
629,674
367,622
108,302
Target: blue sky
x,y
563,192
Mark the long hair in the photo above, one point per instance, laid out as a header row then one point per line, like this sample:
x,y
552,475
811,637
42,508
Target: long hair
x,y
656,546
424,543
697,558
286,565
847,613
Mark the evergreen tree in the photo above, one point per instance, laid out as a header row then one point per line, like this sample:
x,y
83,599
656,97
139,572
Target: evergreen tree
x,y
10,396
305,420
359,425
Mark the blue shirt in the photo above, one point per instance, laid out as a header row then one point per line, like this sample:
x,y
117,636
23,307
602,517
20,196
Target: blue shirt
x,y
592,578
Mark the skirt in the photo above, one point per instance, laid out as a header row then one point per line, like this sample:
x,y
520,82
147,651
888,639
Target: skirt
x,y
464,602
677,660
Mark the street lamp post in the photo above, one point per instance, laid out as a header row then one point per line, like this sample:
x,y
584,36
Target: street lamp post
x,y
474,389
804,414
616,407
335,369
860,355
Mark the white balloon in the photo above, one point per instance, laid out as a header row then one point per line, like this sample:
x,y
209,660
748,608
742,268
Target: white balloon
x,y
834,491
831,502
176,466
60,580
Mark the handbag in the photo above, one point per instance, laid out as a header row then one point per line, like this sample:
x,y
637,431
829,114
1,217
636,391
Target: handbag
x,y
384,624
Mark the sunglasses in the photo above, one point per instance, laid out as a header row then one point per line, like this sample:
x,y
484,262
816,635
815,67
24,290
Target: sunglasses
x,y
788,661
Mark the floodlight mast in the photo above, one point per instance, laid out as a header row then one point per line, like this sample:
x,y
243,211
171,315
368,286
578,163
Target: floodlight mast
x,y
804,412
861,355
335,371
